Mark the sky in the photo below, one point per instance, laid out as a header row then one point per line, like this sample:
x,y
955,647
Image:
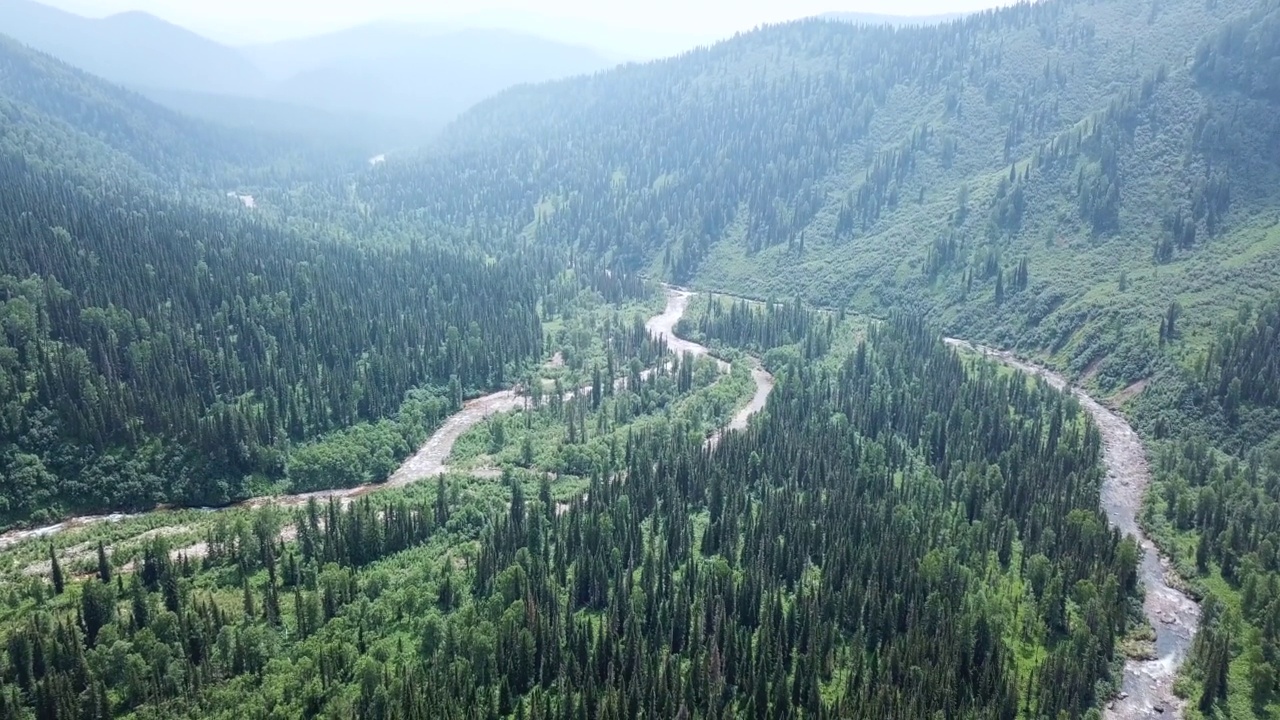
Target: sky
x,y
678,22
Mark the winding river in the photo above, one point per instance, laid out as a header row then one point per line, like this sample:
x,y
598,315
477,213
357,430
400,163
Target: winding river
x,y
431,459
1147,688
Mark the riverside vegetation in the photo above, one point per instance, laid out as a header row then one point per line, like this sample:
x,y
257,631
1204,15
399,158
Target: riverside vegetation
x,y
1092,184
432,602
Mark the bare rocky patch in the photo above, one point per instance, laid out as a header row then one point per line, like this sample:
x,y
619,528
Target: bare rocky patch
x,y
1124,396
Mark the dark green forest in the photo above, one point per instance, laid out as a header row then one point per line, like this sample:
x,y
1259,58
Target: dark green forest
x,y
165,349
760,329
1218,513
746,582
192,315
160,352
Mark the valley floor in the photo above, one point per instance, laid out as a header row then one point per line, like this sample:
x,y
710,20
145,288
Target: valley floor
x,y
1148,684
432,458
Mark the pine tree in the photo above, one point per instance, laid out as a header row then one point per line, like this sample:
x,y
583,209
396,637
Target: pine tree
x,y
104,567
59,581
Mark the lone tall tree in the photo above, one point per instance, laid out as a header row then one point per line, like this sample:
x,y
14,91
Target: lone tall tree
x,y
59,582
104,567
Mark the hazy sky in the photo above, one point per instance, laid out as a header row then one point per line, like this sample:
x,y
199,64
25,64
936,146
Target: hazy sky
x,y
695,20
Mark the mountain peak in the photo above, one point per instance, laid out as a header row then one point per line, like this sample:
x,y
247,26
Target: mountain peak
x,y
133,48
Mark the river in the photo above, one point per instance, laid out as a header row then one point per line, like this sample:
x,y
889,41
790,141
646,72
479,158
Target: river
x,y
1147,688
431,459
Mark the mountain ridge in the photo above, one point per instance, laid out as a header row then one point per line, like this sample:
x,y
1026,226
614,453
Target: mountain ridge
x,y
402,85
133,48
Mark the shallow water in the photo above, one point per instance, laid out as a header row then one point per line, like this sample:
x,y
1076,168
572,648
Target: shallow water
x,y
1147,689
431,458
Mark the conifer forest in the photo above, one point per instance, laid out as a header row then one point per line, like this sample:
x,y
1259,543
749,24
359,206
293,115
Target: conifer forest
x,y
882,371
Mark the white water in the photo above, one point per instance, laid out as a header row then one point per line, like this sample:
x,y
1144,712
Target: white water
x,y
246,200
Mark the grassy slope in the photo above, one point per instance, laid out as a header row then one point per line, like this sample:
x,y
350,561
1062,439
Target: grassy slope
x,y
1074,273
1077,313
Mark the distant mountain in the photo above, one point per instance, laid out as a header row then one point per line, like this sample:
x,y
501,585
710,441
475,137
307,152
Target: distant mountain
x,y
134,49
59,116
348,131
376,86
411,71
858,18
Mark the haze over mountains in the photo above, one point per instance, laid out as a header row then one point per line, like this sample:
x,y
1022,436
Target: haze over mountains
x,y
135,49
377,84
381,84
1090,183
412,72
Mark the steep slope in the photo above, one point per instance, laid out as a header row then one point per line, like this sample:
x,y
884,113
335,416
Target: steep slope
x,y
65,118
410,72
889,167
156,346
133,48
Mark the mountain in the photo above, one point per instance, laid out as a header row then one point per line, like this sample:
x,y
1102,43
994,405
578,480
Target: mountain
x,y
62,117
1088,183
372,87
410,72
880,167
147,321
134,49
156,347
1071,179
185,72
859,18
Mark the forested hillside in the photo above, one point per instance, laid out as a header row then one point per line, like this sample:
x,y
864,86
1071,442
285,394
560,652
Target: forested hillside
x,y
901,533
749,582
1037,176
160,346
1093,183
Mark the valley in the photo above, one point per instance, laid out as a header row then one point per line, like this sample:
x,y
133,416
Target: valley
x,y
1147,685
853,366
431,459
